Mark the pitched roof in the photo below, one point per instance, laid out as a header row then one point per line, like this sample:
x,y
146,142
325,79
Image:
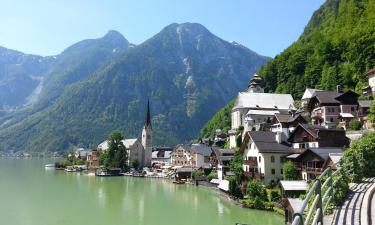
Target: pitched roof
x,y
309,92
264,101
265,141
327,96
129,142
201,149
294,185
323,153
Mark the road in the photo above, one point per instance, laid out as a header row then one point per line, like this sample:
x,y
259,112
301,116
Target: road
x,y
350,212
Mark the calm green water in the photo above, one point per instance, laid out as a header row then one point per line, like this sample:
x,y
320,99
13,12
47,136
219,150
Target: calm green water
x,y
31,195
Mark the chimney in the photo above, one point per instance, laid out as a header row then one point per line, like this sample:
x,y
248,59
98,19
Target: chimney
x,y
338,89
278,137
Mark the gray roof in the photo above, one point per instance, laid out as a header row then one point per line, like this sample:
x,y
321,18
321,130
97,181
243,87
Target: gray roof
x,y
265,141
324,152
264,101
364,103
294,185
201,149
327,96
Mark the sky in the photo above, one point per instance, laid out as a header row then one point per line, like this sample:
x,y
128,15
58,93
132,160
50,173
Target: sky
x,y
47,27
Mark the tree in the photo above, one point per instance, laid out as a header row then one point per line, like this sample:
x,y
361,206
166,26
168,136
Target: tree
x,y
290,172
236,165
135,164
256,189
116,155
358,161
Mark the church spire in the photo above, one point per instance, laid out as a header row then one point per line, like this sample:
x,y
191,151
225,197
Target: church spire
x,y
148,115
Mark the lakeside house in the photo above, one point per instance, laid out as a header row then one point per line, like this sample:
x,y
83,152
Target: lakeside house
x,y
161,156
201,156
223,157
307,95
254,109
93,159
180,156
264,154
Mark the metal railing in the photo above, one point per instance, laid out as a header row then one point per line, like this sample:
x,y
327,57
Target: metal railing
x,y
322,194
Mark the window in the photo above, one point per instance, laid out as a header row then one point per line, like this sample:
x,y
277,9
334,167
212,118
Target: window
x,y
272,159
273,171
331,119
260,159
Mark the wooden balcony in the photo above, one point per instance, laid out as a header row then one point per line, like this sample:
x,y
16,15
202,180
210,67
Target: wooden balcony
x,y
250,162
313,170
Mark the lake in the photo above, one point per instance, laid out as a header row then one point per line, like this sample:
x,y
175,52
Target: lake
x,y
32,195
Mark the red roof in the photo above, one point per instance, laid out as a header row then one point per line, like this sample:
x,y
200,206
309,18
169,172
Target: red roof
x,y
372,71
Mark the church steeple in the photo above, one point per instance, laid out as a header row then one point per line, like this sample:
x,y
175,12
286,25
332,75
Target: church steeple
x,y
147,138
148,115
255,84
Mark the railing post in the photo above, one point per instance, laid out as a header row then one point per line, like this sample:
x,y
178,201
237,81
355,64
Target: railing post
x,y
318,191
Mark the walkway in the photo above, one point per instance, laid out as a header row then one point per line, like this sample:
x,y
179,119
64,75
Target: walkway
x,y
350,212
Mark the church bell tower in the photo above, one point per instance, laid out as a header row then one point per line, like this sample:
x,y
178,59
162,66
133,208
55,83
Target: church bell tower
x,y
147,138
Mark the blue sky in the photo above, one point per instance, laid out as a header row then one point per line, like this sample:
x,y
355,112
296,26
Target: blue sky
x,y
47,27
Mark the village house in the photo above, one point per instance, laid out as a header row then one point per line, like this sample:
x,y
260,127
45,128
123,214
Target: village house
x,y
312,162
93,159
264,155
161,156
254,109
330,108
309,136
307,95
286,123
180,156
201,155
224,157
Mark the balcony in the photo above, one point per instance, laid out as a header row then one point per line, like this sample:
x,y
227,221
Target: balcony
x,y
250,162
315,170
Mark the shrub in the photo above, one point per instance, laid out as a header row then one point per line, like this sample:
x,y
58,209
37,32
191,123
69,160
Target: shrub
x,y
358,161
274,194
197,173
256,189
355,125
289,172
234,188
212,175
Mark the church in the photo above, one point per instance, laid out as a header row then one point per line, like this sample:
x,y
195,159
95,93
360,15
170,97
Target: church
x,y
255,108
139,149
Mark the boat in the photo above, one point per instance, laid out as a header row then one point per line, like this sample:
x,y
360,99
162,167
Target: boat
x,y
179,182
70,169
49,166
138,174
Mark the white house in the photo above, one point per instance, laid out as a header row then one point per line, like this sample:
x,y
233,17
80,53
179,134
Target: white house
x,y
264,155
307,95
201,155
254,108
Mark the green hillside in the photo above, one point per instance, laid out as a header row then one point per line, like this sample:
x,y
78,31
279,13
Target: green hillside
x,y
336,48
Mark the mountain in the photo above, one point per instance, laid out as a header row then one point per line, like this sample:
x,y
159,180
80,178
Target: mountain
x,y
336,48
76,63
187,73
20,76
